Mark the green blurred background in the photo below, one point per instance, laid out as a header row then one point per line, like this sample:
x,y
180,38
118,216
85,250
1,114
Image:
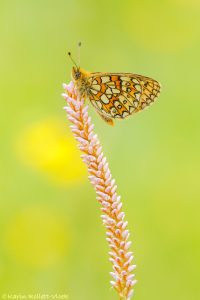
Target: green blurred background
x,y
52,239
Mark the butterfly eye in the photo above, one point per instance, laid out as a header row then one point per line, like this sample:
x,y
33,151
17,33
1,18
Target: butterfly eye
x,y
77,75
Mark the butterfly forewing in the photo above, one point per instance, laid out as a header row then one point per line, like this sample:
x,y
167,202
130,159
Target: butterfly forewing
x,y
118,95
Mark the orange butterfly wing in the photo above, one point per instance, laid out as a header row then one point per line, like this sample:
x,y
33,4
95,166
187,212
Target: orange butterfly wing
x,y
119,95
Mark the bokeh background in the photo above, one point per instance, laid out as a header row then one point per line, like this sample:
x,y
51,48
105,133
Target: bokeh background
x,y
52,239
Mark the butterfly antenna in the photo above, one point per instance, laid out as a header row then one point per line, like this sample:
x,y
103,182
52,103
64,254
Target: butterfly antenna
x,y
79,54
69,53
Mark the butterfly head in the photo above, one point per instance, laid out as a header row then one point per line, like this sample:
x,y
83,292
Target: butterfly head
x,y
79,77
76,73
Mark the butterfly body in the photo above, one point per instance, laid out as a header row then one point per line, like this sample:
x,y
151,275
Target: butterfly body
x,y
116,95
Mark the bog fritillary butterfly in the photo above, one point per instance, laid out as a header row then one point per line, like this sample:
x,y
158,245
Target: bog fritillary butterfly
x,y
115,95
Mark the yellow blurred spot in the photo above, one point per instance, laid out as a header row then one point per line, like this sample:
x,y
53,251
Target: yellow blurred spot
x,y
49,146
37,237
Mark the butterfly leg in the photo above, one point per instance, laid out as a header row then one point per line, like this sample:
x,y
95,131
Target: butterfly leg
x,y
105,118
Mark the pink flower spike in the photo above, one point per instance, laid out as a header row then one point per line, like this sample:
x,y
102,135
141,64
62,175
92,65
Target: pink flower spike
x,y
106,193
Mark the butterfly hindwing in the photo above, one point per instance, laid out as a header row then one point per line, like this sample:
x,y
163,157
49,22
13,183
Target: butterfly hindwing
x,y
118,95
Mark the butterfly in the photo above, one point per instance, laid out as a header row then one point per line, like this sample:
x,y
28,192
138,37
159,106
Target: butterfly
x,y
115,95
